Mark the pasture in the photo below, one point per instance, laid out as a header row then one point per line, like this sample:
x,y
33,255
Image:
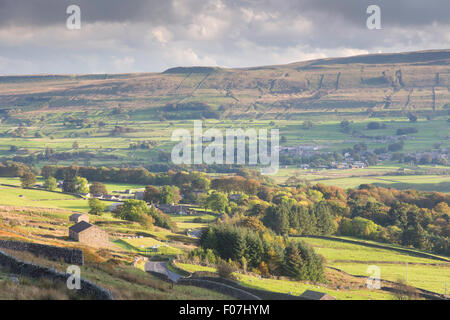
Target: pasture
x,y
424,273
294,287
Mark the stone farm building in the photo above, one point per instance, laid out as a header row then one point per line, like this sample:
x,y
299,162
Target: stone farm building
x,y
89,234
78,217
314,295
174,209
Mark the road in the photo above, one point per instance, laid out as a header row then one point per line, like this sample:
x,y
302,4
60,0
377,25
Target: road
x,y
161,267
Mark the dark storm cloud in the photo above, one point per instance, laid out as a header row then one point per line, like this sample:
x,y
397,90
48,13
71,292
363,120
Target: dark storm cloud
x,y
151,35
49,12
395,12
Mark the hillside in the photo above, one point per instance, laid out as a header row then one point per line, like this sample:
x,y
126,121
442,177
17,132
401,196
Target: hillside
x,y
388,83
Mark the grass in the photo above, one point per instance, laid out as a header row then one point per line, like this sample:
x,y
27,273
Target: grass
x,y
429,277
35,289
293,287
340,251
142,245
354,259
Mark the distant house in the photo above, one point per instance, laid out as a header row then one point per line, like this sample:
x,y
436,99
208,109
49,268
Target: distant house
x,y
174,209
78,217
139,195
89,234
85,195
358,165
314,295
114,206
110,197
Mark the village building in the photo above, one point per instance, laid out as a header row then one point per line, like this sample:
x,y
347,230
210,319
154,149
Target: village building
x,y
114,206
89,234
109,197
139,195
85,195
174,209
78,217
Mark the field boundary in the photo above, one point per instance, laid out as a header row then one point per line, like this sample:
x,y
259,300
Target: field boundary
x,y
36,271
69,255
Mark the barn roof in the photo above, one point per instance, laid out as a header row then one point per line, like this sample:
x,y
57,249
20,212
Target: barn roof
x,y
314,295
80,227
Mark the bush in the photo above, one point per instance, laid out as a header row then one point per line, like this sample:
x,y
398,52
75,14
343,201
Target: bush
x,y
375,126
403,131
396,146
225,270
96,207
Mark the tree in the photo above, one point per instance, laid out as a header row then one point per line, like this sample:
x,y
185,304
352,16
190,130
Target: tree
x,y
217,201
225,270
75,145
373,125
412,117
28,179
345,126
137,211
302,263
277,218
170,195
50,184
325,223
97,188
96,207
152,194
132,210
81,185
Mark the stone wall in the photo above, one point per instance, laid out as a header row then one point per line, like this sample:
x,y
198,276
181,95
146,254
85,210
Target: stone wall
x,y
219,287
68,255
35,271
261,294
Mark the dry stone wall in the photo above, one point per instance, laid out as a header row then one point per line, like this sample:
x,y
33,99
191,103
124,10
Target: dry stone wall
x,y
68,255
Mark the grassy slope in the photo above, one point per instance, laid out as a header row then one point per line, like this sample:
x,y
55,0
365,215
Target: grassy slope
x,y
294,287
354,259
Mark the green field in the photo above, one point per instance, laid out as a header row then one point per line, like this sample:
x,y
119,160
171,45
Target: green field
x,y
294,287
188,222
428,274
142,245
10,196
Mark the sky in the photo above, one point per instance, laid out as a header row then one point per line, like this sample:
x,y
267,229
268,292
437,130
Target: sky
x,y
118,36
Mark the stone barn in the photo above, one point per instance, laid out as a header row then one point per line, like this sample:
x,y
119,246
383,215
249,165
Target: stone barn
x,y
78,217
314,295
89,234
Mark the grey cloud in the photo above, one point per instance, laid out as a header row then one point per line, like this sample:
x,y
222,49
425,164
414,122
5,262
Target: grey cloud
x,y
227,32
